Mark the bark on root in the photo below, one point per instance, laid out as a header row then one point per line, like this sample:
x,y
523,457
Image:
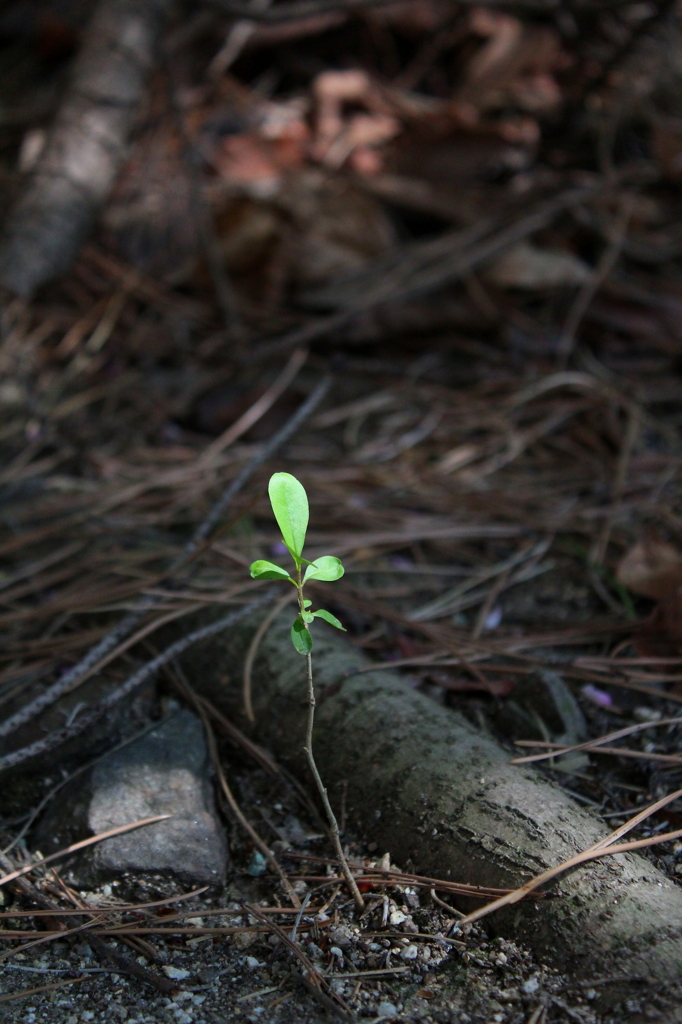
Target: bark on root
x,y
85,145
426,785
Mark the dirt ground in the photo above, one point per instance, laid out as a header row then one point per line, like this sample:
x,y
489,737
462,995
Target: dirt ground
x,y
460,228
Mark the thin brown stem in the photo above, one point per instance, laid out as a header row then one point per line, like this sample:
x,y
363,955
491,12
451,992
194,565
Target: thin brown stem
x,y
331,817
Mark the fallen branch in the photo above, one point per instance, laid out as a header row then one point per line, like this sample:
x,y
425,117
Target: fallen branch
x,y
426,785
85,146
93,714
124,628
604,848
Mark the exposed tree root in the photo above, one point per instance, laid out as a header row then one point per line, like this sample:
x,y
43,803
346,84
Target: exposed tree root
x,y
85,145
434,791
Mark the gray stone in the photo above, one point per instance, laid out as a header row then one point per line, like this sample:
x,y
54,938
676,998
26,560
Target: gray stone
x,y
164,772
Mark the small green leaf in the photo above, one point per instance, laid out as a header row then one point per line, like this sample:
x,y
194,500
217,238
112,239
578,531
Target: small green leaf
x,y
290,506
306,602
328,617
301,638
263,570
307,616
327,568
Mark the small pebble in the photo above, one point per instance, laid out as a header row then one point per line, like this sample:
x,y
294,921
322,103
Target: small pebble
x,y
208,976
493,618
176,973
252,962
340,937
257,865
532,985
409,953
387,1010
643,714
396,917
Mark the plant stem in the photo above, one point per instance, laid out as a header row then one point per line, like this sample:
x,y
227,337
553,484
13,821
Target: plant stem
x,y
331,817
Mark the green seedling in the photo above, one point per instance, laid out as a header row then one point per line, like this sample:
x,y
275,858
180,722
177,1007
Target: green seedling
x,y
290,506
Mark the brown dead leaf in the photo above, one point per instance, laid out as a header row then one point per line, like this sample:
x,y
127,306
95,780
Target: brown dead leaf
x,y
504,34
251,145
515,67
338,133
337,227
248,161
362,134
652,568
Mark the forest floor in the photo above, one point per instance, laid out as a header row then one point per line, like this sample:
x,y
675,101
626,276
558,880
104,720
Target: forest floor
x,y
497,457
